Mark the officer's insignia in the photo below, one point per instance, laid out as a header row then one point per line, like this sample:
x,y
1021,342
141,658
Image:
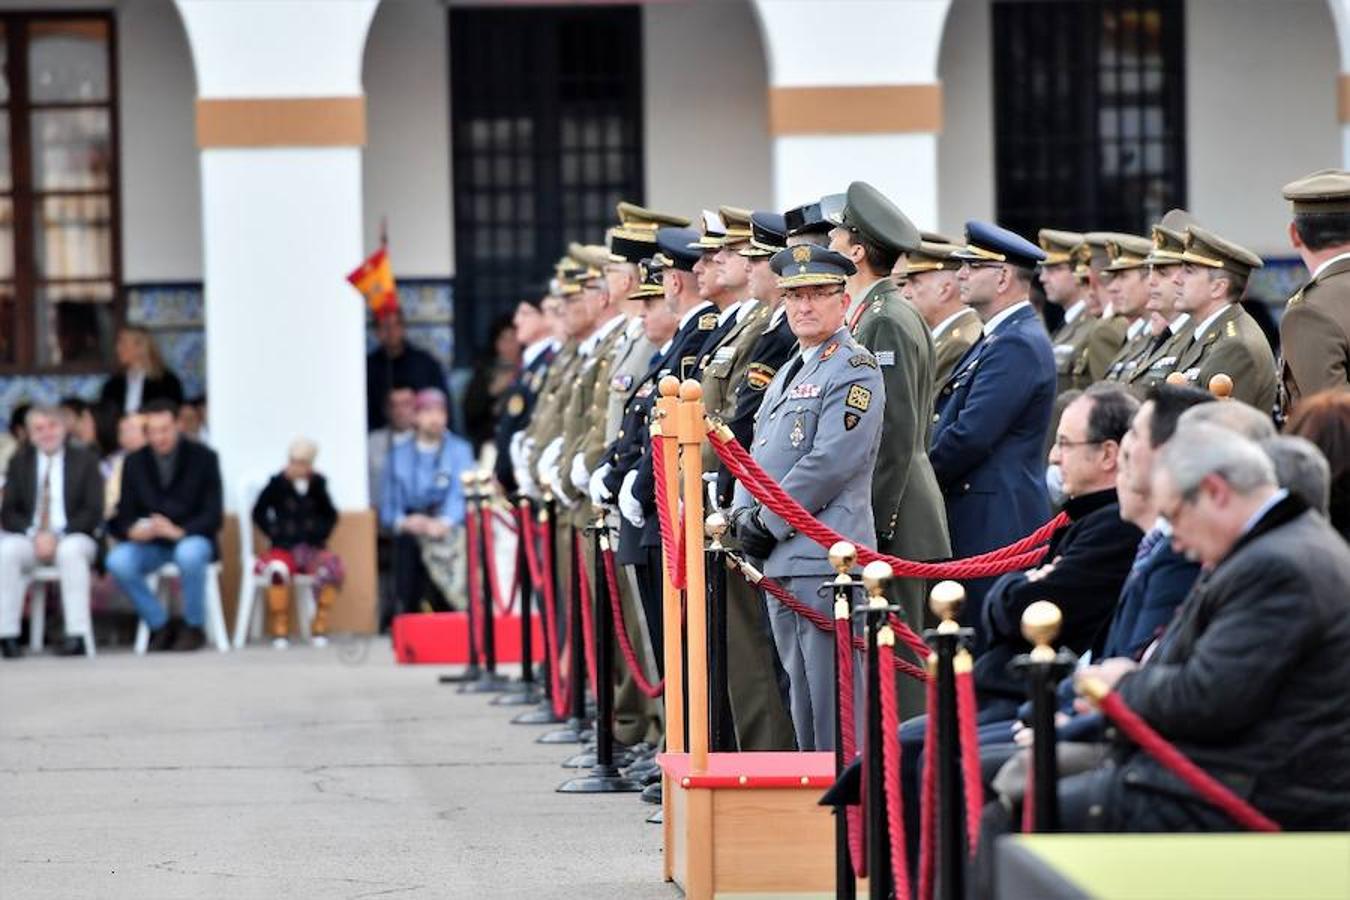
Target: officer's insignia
x,y
1193,373
724,353
804,392
1296,299
759,376
851,420
707,322
536,380
798,434
885,357
859,398
621,382
862,359
687,365
830,350
1231,329
801,253
645,390
1166,362
516,405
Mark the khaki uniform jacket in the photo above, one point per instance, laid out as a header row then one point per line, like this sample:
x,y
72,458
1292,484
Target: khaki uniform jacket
x,y
546,422
583,414
1103,343
1315,336
953,343
1233,345
631,363
1155,366
1125,362
1070,344
907,504
726,368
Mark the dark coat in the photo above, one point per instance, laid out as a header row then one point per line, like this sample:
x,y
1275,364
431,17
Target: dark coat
x,y
988,448
288,518
165,387
1250,681
83,491
414,368
1090,561
771,351
1149,600
191,499
518,405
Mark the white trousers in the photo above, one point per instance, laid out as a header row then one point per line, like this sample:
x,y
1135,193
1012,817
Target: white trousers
x,y
74,558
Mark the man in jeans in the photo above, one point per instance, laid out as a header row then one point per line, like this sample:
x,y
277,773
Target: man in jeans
x,y
170,511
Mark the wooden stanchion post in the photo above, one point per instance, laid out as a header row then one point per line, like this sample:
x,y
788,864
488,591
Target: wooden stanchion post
x,y
663,430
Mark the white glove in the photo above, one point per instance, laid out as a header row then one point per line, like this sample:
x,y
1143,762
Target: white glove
x,y
580,477
516,450
525,482
1054,483
548,464
628,504
600,495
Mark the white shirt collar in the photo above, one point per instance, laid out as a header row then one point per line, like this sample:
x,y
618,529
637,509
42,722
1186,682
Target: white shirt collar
x,y
1264,508
730,311
999,318
1136,326
1179,322
532,352
777,318
1204,326
855,302
1073,312
588,346
56,509
946,323
1337,258
702,307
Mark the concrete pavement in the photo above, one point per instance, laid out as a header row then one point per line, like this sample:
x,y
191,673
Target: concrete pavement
x,y
306,773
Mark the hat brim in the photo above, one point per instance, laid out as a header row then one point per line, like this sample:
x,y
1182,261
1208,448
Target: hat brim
x,y
809,279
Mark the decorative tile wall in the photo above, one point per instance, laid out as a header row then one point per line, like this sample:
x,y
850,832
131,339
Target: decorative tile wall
x,y
174,314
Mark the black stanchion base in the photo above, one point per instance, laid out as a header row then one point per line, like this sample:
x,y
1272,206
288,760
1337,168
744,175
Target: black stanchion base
x,y
657,818
652,793
536,717
588,733
472,673
487,683
602,780
517,697
587,758
571,733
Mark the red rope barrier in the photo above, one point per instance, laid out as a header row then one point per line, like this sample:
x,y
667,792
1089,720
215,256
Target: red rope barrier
x,y
1210,789
843,653
1029,799
890,745
928,800
475,587
672,540
620,626
970,749
587,626
556,687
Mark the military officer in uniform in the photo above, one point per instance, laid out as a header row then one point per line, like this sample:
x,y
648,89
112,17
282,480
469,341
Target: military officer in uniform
x,y
1315,330
1172,328
1059,279
1227,341
818,435
988,448
910,521
1129,295
1108,331
534,331
928,281
811,223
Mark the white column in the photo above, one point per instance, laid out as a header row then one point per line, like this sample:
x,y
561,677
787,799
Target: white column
x,y
854,95
1340,15
281,121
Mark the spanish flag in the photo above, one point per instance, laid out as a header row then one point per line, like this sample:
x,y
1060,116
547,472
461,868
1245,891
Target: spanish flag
x,y
374,278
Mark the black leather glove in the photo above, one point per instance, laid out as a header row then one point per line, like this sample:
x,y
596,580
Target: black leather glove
x,y
756,540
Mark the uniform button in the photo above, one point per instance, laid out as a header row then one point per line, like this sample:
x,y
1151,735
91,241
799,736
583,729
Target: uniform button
x,y
620,432
763,441
965,487
936,417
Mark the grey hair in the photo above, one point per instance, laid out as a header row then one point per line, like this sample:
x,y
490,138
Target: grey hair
x,y
46,410
1301,468
1233,415
1202,449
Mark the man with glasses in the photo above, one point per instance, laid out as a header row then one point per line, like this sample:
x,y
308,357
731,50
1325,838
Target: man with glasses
x,y
989,427
818,435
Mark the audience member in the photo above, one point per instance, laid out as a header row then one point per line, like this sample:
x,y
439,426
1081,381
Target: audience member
x,y
1324,419
142,375
422,503
77,417
130,438
296,514
169,512
1246,420
398,430
52,509
1301,469
192,419
396,361
485,396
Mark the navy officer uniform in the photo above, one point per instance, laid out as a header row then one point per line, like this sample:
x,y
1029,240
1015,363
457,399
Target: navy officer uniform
x,y
519,403
818,434
988,444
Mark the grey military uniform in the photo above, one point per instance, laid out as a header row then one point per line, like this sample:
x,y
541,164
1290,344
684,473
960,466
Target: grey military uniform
x,y
818,436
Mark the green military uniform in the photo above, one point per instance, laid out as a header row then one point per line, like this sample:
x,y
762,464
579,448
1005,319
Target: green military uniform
x,y
907,505
955,335
1315,330
1231,343
1157,363
1127,253
1070,341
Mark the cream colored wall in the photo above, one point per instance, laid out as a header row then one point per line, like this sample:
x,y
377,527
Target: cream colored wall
x,y
966,145
705,105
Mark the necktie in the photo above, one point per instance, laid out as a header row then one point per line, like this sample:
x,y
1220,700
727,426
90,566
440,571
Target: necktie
x,y
793,369
45,499
1149,543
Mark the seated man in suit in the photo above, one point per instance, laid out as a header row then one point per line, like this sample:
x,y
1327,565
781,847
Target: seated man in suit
x,y
988,440
53,505
169,512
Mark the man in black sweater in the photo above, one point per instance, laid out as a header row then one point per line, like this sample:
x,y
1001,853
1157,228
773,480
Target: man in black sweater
x,y
170,511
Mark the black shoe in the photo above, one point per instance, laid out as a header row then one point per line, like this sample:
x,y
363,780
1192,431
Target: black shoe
x,y
162,638
189,638
10,648
71,646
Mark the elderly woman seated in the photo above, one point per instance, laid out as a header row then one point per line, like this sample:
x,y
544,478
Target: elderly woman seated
x,y
296,514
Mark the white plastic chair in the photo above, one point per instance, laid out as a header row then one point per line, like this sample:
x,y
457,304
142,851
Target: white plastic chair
x,y
246,620
216,632
41,576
